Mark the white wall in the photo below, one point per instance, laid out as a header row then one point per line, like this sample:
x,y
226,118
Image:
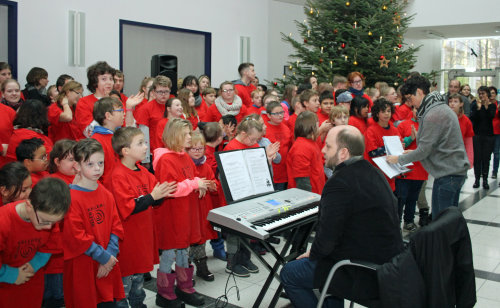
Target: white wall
x,y
281,19
429,55
3,33
43,31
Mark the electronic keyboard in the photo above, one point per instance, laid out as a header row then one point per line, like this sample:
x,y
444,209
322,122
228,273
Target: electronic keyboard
x,y
267,215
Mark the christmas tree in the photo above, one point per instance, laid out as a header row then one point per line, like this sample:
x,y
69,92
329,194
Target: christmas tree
x,y
342,36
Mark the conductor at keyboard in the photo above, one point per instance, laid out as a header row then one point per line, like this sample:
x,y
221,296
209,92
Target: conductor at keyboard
x,y
358,219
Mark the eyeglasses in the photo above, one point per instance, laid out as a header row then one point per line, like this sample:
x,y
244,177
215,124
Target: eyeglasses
x,y
118,110
199,150
77,93
43,158
277,113
162,92
357,81
41,222
228,90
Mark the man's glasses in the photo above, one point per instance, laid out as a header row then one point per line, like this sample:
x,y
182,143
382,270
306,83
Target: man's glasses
x,y
162,92
277,113
228,90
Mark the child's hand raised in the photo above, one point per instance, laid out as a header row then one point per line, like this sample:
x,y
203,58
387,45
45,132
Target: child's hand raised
x,y
134,100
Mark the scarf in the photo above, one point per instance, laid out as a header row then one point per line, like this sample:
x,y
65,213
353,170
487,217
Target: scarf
x,y
356,92
102,130
225,109
38,130
14,106
199,161
197,101
429,101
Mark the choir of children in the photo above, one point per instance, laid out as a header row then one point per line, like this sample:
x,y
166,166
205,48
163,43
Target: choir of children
x,y
127,215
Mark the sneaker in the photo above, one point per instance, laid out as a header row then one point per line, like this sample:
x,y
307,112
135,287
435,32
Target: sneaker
x,y
237,270
409,226
494,176
249,266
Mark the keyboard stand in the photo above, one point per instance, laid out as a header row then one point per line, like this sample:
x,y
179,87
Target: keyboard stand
x,y
281,257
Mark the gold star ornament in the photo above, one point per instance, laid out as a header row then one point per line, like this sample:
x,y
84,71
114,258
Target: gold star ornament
x,y
384,63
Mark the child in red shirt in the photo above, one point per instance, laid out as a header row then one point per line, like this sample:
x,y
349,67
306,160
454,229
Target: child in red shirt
x,y
173,110
108,113
277,131
304,162
33,155
359,113
382,111
456,104
326,102
28,238
91,232
212,132
256,106
408,185
61,113
15,183
135,190
197,252
188,109
62,161
174,218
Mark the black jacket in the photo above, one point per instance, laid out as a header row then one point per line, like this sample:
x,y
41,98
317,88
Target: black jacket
x,y
358,219
443,253
482,119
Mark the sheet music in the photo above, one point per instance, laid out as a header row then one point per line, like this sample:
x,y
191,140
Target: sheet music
x,y
235,169
393,146
258,170
391,170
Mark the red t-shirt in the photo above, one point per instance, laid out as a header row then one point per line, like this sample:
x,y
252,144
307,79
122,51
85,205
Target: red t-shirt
x,y
359,123
206,204
245,93
149,115
92,218
374,140
37,176
255,109
84,112
291,123
6,126
62,130
322,117
465,127
193,120
304,160
418,172
201,110
68,179
282,134
110,158
496,121
236,145
213,114
173,219
19,242
127,185
402,112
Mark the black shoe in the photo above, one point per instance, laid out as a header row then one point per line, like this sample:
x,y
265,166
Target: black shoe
x,y
494,176
168,303
485,185
249,266
193,299
476,184
202,269
423,217
234,267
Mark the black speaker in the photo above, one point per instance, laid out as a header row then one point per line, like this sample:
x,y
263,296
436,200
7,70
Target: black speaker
x,y
165,65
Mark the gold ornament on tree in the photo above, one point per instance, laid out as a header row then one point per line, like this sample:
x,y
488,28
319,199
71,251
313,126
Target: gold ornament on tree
x,y
347,3
384,63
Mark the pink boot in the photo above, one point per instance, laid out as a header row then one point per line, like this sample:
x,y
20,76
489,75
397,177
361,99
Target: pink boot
x,y
184,289
166,296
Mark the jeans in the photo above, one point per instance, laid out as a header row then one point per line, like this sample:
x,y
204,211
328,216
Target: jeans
x,y
297,278
168,257
134,291
53,286
496,154
446,192
407,192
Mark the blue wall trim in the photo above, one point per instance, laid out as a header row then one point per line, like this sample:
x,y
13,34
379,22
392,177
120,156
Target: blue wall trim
x,y
207,35
12,35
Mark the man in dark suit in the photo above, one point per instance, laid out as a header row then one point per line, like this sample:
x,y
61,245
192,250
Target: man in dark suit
x,y
358,219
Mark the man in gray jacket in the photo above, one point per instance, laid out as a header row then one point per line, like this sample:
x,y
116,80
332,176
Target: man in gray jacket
x,y
440,147
454,88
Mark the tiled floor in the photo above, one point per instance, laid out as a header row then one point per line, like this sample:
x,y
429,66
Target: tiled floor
x,y
481,209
